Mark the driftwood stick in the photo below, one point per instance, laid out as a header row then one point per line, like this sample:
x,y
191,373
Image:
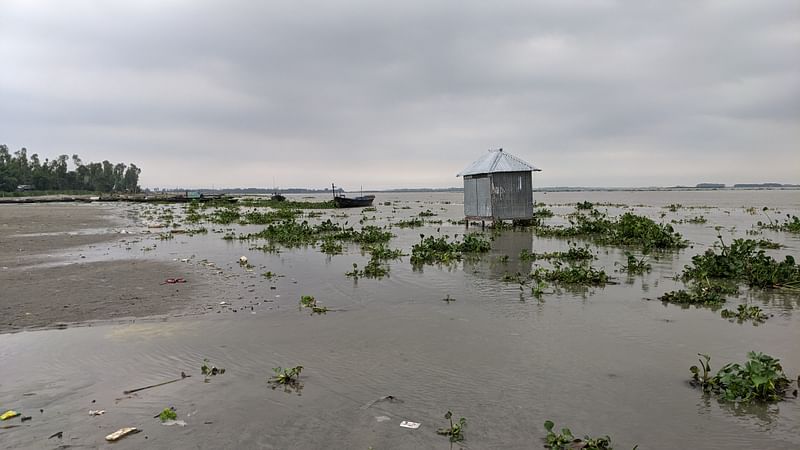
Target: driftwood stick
x,y
131,391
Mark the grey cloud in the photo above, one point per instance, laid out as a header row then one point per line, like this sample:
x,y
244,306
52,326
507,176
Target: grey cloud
x,y
282,86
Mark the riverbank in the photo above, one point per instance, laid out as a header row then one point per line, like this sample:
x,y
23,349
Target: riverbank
x,y
47,282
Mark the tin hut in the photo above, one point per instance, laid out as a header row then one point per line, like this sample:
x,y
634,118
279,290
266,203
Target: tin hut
x,y
498,186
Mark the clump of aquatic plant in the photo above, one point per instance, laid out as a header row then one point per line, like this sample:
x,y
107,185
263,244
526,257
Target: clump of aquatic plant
x,y
330,247
566,441
543,213
626,230
431,250
791,224
373,269
456,430
210,370
634,265
256,217
674,207
426,213
308,301
168,414
448,299
413,222
226,215
538,289
585,205
579,274
743,261
744,313
287,376
768,244
382,252
703,293
761,378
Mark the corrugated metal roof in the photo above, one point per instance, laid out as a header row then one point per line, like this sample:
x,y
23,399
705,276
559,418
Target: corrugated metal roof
x,y
497,161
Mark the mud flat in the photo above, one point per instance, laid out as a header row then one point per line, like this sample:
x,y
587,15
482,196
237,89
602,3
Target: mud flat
x,y
46,283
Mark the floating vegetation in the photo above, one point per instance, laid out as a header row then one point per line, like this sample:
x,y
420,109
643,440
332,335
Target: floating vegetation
x,y
573,254
426,213
538,289
448,299
543,213
413,222
634,265
696,220
308,301
373,269
761,378
331,247
287,376
566,441
627,230
168,414
456,430
768,244
382,252
585,205
791,224
210,370
742,261
744,313
225,216
433,250
572,273
291,233
702,293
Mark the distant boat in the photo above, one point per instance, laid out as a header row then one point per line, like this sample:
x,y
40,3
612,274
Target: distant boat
x,y
351,202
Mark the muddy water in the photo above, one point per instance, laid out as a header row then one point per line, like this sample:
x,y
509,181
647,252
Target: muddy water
x,y
607,360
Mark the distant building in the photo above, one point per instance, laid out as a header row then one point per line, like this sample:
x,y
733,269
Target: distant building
x,y
498,186
710,186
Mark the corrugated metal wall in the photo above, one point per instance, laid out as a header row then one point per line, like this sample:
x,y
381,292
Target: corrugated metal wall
x,y
512,195
477,196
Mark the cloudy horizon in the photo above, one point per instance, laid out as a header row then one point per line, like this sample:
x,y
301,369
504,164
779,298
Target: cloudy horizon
x,y
238,94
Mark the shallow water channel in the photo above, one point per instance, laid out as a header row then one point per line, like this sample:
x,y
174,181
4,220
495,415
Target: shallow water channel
x,y
602,360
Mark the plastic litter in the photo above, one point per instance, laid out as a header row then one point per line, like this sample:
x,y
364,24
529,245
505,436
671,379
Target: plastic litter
x,y
25,418
121,433
169,423
382,418
174,281
8,415
97,412
408,424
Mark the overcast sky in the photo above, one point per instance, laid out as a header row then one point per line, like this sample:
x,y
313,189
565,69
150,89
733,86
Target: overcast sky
x,y
408,93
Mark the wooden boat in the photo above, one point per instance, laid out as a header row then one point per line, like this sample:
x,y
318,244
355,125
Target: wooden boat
x,y
351,202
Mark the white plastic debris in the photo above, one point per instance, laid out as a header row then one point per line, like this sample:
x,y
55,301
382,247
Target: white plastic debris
x,y
121,433
97,412
169,423
243,260
382,418
408,424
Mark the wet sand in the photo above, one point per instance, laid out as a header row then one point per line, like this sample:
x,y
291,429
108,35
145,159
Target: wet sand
x,y
43,287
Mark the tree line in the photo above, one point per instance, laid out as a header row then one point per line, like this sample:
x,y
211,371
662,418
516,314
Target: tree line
x,y
19,170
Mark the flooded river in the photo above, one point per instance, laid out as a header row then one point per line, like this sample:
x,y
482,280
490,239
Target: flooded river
x,y
600,360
